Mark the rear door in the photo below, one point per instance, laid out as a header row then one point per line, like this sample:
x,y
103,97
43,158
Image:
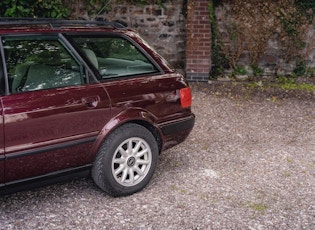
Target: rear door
x,y
54,111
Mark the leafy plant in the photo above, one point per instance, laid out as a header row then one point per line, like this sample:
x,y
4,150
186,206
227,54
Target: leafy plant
x,y
288,83
239,70
257,71
219,60
300,68
246,31
307,7
285,80
33,8
94,7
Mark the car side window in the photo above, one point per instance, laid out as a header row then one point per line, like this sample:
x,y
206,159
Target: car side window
x,y
114,56
35,63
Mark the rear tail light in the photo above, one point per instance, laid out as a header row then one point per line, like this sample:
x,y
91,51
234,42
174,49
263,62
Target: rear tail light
x,y
185,97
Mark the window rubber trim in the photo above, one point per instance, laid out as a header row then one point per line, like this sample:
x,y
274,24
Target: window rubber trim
x,y
4,74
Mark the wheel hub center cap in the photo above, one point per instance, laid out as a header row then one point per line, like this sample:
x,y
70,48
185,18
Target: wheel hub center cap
x,y
131,161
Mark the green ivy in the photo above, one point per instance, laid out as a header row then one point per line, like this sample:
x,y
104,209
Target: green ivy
x,y
33,8
59,8
307,8
239,70
94,7
291,23
219,61
257,71
300,68
217,3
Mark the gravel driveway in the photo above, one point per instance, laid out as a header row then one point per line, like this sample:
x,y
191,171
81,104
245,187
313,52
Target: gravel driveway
x,y
248,164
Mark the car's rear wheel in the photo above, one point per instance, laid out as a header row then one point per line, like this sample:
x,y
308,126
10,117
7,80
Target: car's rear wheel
x,y
126,160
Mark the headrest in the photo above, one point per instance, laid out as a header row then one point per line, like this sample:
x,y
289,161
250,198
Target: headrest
x,y
91,56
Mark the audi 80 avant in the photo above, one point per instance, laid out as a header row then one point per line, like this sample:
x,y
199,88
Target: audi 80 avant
x,y
81,98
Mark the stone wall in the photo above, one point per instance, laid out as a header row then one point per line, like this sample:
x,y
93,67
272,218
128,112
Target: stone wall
x,y
263,39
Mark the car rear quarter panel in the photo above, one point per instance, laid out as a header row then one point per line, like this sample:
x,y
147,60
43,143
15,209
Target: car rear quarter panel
x,y
151,99
159,95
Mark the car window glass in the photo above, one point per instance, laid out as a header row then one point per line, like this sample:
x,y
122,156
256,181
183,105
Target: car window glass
x,y
39,63
115,56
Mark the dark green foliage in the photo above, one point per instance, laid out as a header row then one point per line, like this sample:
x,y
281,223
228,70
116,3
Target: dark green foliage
x,y
305,3
219,60
33,8
217,2
257,71
240,70
58,8
306,8
300,69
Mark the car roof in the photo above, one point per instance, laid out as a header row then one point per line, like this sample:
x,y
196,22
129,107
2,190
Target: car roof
x,y
52,24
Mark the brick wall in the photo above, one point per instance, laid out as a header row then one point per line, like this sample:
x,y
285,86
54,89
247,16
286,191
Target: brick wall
x,y
198,49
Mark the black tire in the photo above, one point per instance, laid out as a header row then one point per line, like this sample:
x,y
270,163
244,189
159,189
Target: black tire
x,y
126,160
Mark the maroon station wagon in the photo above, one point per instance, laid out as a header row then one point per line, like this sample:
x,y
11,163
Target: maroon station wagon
x,y
82,98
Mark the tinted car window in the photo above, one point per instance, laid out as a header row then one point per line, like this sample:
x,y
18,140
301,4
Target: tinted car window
x,y
115,56
39,63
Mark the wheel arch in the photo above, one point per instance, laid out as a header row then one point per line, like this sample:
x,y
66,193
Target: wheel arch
x,y
135,116
153,129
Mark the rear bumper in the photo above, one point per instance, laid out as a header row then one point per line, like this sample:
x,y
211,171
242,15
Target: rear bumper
x,y
176,132
178,126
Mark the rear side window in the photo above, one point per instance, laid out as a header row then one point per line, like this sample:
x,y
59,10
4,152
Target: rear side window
x,y
115,56
36,63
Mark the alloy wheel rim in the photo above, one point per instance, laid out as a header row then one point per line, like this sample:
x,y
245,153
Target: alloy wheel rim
x,y
131,161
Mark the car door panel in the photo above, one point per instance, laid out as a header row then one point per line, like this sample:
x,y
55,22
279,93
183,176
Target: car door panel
x,y
54,129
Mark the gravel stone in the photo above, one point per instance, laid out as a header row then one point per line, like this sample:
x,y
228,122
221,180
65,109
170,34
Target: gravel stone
x,y
249,163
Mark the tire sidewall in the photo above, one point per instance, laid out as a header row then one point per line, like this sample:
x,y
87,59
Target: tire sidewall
x,y
102,168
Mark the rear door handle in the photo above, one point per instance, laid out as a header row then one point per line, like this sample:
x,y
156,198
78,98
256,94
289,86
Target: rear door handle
x,y
91,102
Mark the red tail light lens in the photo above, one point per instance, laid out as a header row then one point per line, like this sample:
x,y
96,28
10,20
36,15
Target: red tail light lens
x,y
185,97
